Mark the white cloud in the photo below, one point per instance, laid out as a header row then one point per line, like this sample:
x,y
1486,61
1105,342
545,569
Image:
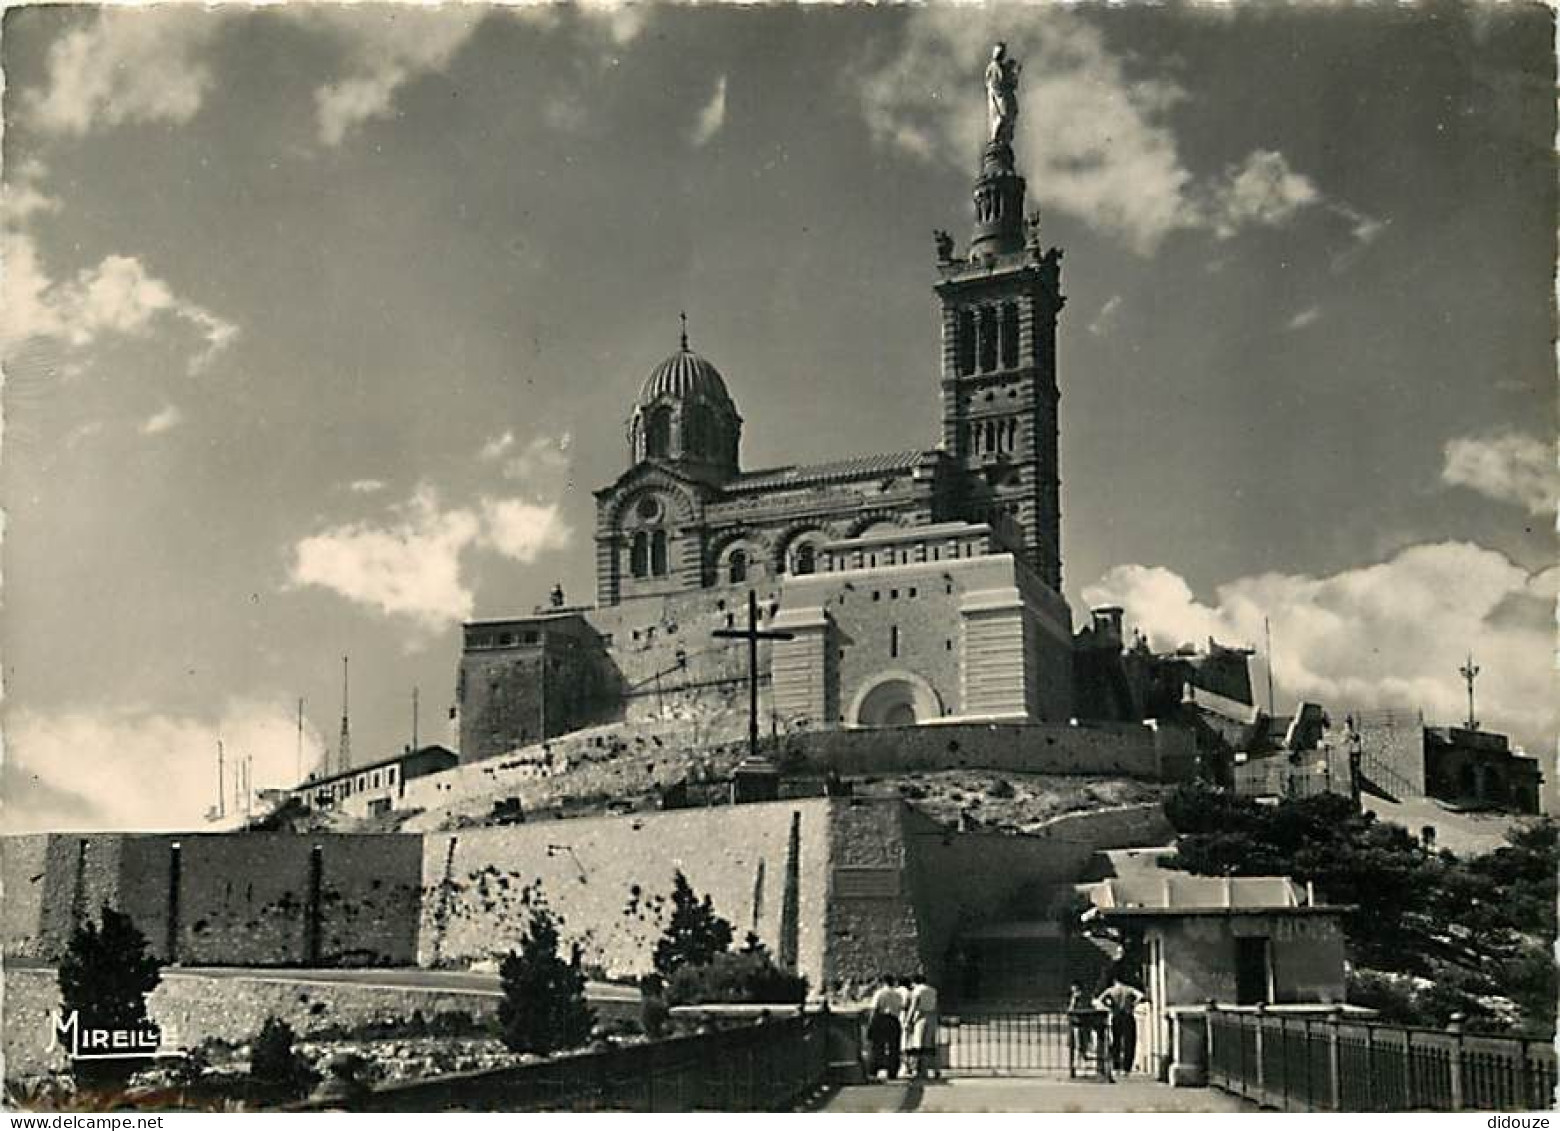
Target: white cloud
x,y
522,530
1093,141
1509,466
1390,634
1262,191
412,563
81,770
1106,319
166,420
118,296
409,566
366,486
541,463
382,49
497,446
127,65
1307,317
712,117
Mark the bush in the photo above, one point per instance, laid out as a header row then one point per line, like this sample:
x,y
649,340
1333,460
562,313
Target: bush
x,y
275,1066
544,1006
695,934
747,977
104,978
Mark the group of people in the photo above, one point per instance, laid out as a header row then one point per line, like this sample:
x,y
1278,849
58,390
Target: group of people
x,y
902,1027
1119,1002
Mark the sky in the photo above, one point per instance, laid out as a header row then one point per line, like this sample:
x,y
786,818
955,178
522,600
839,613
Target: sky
x,y
321,325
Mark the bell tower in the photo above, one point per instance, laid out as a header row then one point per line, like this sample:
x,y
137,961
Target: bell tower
x,y
1000,303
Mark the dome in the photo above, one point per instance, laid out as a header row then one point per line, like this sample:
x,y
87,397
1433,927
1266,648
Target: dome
x,y
685,376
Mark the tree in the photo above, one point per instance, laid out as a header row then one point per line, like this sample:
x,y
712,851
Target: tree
x,y
275,1066
746,976
104,977
695,934
544,1006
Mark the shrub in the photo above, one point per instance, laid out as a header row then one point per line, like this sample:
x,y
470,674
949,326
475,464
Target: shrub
x,y
104,978
544,996
745,977
695,934
275,1066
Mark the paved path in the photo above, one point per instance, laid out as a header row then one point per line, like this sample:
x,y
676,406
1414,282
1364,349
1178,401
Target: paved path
x,y
1019,1093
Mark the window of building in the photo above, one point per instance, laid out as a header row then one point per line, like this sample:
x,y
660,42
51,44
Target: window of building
x,y
806,558
639,555
658,435
1009,335
658,553
737,567
893,641
912,592
893,594
964,342
988,340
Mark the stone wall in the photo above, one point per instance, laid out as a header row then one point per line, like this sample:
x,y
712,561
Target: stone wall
x,y
190,1008
241,898
871,916
1120,749
610,881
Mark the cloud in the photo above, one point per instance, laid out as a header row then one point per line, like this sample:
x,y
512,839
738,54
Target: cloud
x,y
1107,317
1307,317
521,530
90,769
1391,634
382,49
412,563
409,566
1262,191
118,296
1508,466
128,65
1094,142
497,446
167,419
366,486
712,117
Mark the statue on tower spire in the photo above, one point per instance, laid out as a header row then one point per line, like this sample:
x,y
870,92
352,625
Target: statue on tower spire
x,y
1002,94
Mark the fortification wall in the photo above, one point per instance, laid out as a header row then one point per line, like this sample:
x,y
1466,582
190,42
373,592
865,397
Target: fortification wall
x,y
609,879
973,878
1119,749
241,898
190,1008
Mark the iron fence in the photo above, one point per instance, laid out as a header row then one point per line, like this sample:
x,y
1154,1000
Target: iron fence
x,y
1014,1042
764,1066
1328,1064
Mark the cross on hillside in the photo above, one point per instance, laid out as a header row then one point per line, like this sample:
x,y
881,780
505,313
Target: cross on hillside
x,y
752,634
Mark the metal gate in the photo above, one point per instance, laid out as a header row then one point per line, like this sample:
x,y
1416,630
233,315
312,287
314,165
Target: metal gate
x,y
1024,1042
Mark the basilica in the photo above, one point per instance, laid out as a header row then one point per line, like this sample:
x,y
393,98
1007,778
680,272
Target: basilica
x,y
916,586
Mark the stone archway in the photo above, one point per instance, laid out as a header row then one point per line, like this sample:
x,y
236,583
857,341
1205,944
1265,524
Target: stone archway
x,y
894,699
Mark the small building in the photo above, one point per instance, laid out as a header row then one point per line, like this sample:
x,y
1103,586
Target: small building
x,y
376,788
1233,940
1401,758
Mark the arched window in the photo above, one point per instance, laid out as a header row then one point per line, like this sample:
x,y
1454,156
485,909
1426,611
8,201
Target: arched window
x,y
736,567
1009,335
806,558
964,343
639,555
658,436
658,553
988,340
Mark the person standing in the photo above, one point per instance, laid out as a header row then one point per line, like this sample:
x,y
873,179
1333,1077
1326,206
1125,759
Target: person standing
x,y
884,1031
921,1027
1120,1001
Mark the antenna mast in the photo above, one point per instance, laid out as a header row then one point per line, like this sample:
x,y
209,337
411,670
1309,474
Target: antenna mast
x,y
344,754
221,785
1470,672
414,718
299,763
1267,631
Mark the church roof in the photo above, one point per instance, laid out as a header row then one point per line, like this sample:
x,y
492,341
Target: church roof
x,y
861,467
685,376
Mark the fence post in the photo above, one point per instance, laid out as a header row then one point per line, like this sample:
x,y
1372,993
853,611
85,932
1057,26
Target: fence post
x,y
1455,1027
1334,1083
1261,1042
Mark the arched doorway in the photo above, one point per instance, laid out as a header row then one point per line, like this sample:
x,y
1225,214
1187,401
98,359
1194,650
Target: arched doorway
x,y
894,699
